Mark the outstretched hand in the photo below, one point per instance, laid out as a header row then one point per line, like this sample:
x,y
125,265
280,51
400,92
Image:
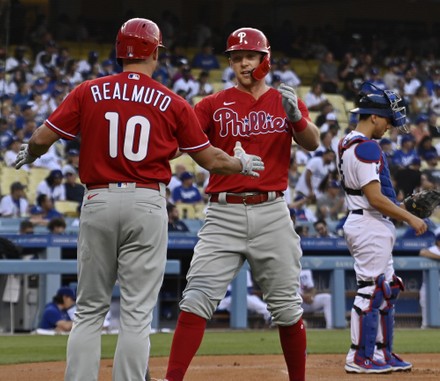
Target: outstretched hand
x,y
250,163
290,102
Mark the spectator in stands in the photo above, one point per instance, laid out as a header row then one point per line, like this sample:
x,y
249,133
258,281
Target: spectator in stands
x,y
72,159
301,210
432,252
107,68
425,147
205,59
186,84
203,86
420,128
314,301
71,72
435,100
85,65
410,83
26,227
302,156
353,82
432,172
74,191
11,152
406,153
376,79
50,160
315,99
164,70
254,302
317,168
330,204
321,229
392,75
175,224
287,74
52,186
15,203
420,103
175,181
55,316
57,225
331,126
328,73
346,66
408,179
187,192
44,211
5,86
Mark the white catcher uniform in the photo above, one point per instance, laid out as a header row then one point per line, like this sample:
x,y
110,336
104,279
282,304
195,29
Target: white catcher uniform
x,y
370,236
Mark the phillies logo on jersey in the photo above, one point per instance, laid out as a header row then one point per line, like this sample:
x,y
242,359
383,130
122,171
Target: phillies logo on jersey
x,y
242,36
255,123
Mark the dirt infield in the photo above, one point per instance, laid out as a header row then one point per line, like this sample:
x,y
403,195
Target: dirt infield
x,y
239,368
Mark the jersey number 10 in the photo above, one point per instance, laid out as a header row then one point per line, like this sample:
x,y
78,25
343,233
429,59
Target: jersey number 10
x,y
137,122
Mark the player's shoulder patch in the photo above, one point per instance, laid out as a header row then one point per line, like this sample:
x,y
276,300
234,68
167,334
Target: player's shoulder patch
x,y
368,151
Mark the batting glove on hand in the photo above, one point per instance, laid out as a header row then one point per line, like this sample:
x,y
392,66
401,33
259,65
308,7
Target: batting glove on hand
x,y
24,157
290,103
250,163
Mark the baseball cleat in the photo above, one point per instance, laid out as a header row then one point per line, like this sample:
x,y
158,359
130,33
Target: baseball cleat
x,y
398,365
366,365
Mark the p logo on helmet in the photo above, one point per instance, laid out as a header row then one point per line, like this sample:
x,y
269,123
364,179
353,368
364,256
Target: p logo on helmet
x,y
254,40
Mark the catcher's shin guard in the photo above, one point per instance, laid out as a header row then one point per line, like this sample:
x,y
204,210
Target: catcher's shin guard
x,y
369,318
387,326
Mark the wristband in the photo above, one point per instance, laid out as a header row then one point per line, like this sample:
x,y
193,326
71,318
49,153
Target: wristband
x,y
301,125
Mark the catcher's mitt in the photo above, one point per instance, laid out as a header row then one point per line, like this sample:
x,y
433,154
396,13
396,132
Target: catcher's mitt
x,y
423,203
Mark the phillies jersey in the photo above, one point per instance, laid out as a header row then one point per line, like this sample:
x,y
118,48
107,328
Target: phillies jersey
x,y
260,124
130,127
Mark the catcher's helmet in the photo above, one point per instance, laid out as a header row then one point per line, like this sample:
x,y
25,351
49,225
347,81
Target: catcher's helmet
x,y
247,39
385,103
137,39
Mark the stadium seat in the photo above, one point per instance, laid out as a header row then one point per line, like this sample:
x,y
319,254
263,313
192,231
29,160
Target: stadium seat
x,y
186,211
10,175
338,102
68,208
217,86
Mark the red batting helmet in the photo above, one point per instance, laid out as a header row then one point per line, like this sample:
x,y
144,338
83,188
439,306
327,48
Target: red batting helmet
x,y
137,39
247,39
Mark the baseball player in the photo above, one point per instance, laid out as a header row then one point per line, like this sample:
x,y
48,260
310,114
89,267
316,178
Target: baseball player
x,y
248,219
369,232
312,301
130,126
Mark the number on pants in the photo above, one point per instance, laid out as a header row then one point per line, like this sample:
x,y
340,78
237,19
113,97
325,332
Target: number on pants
x,y
130,128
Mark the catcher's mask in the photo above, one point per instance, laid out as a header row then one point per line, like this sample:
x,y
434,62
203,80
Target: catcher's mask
x,y
254,40
137,39
385,103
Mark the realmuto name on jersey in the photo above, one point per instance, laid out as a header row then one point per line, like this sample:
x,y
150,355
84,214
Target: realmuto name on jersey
x,y
255,123
130,93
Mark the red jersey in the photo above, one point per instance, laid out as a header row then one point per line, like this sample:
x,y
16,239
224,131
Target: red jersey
x,y
260,125
130,127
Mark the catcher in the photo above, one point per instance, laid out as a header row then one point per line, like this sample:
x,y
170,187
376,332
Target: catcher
x,y
369,232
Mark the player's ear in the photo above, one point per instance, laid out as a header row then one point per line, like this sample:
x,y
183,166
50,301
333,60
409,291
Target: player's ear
x,y
156,54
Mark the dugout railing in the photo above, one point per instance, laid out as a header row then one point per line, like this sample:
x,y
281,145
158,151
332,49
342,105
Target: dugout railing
x,y
52,266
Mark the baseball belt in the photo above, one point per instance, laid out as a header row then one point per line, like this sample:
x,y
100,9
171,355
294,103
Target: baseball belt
x,y
252,199
151,185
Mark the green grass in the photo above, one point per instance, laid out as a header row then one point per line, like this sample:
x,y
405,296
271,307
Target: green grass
x,y
34,348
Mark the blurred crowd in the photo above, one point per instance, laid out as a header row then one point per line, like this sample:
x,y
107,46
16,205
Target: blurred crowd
x,y
36,77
